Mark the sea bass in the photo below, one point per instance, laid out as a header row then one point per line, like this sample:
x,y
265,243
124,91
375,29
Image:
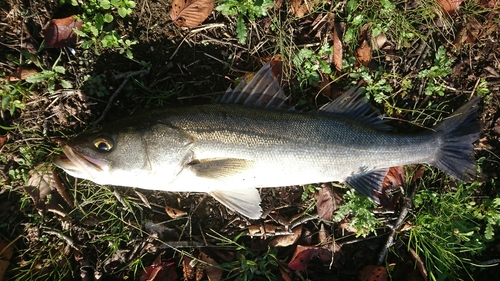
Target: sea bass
x,y
250,139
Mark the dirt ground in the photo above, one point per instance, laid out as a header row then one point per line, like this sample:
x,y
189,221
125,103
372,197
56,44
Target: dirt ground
x,y
181,67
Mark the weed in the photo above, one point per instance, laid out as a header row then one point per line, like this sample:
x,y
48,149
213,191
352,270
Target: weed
x,y
51,77
309,62
249,8
97,24
358,209
12,96
446,228
248,263
440,69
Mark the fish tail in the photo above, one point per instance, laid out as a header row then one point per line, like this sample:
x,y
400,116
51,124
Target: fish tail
x,y
456,137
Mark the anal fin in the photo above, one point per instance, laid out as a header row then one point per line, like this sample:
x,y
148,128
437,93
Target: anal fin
x,y
245,201
368,183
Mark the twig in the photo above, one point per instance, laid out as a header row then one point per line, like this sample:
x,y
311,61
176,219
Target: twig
x,y
402,215
115,94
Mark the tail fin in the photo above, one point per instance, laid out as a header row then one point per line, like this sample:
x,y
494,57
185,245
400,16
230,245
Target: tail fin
x,y
457,135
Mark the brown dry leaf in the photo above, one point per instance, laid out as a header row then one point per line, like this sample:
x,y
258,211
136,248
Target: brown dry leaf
x,y
187,270
6,251
190,13
3,268
285,275
59,32
302,256
364,53
40,185
213,272
322,234
394,180
174,213
3,140
21,73
324,204
373,273
287,240
337,48
449,6
298,8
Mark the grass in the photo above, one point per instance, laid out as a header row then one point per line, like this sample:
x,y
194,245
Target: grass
x,y
449,228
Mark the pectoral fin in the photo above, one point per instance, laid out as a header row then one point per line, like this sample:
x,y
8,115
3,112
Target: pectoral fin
x,y
245,201
368,183
220,168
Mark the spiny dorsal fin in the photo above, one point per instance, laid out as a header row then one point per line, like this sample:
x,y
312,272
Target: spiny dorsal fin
x,y
354,105
262,91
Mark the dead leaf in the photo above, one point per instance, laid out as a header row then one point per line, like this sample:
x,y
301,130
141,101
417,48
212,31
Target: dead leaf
x,y
174,213
373,273
190,13
285,275
287,240
394,180
302,256
41,189
449,6
322,234
163,271
3,140
6,251
21,73
496,129
59,32
324,204
188,271
298,8
3,268
337,48
420,264
213,272
364,51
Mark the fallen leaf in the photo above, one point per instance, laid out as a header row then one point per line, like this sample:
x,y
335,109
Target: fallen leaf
x,y
188,271
163,271
373,273
324,204
337,48
449,6
394,180
174,213
59,32
364,51
322,234
3,140
287,240
41,189
21,73
298,8
190,13
213,272
3,268
302,256
6,251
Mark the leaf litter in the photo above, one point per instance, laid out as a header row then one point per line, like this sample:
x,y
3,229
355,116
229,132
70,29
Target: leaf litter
x,y
314,244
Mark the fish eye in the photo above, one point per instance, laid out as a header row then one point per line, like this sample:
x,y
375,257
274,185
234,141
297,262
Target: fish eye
x,y
103,144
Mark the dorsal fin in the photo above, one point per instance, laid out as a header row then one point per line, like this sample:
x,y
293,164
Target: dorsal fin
x,y
262,91
354,105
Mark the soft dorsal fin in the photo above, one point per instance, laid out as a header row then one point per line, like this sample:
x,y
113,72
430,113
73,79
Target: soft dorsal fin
x,y
354,105
262,91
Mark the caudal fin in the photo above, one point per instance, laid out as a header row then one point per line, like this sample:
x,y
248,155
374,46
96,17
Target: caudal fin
x,y
457,135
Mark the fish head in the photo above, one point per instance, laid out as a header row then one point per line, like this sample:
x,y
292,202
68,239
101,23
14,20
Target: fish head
x,y
109,155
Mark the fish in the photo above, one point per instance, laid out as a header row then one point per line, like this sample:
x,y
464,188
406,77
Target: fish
x,y
250,138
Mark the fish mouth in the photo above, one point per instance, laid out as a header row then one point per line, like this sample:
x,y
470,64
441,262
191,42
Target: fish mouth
x,y
80,165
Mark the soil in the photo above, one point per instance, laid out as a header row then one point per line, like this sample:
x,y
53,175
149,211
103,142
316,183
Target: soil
x,y
185,67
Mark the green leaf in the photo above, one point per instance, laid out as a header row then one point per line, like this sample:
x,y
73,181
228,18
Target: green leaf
x,y
5,102
122,12
59,69
66,84
105,4
241,30
108,18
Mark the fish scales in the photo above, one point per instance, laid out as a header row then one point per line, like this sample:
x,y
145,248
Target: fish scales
x,y
250,139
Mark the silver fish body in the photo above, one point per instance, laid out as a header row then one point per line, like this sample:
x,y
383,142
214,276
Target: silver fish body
x,y
229,149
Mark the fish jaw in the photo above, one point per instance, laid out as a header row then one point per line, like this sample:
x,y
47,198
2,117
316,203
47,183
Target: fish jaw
x,y
80,165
